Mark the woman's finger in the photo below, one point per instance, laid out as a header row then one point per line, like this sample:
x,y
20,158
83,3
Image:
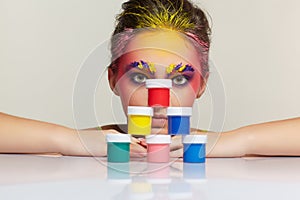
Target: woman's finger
x,y
176,153
176,143
136,149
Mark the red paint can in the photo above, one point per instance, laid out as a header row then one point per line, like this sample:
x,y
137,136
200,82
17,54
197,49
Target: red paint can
x,y
159,92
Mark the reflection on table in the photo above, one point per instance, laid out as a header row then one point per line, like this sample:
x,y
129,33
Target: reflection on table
x,y
44,177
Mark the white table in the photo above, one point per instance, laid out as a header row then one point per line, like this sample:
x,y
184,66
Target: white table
x,y
41,177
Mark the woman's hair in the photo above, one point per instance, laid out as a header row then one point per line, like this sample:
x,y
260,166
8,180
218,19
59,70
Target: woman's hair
x,y
178,15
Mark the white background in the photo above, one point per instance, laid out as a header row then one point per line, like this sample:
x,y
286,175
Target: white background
x,y
255,48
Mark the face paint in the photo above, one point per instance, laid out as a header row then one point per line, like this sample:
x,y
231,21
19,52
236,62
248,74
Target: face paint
x,y
130,81
172,68
143,65
180,74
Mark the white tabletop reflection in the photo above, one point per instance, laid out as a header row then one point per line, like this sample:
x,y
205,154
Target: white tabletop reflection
x,y
63,177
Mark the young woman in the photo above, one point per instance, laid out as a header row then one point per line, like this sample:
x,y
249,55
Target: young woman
x,y
153,39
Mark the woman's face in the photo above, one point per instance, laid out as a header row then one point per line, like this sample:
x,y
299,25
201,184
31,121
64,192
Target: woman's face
x,y
158,55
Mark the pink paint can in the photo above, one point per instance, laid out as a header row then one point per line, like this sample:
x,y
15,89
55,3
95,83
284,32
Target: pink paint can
x,y
158,92
158,148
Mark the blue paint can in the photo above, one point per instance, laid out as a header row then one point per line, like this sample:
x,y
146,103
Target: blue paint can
x,y
179,120
194,148
118,147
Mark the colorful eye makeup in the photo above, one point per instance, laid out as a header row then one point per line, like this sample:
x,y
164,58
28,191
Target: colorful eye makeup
x,y
180,74
179,68
170,69
143,65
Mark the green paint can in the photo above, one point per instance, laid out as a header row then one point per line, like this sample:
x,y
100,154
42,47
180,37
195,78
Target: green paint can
x,y
118,148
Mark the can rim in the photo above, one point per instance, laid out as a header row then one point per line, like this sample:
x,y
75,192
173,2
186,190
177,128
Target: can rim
x,y
159,83
179,111
158,139
118,137
194,139
139,110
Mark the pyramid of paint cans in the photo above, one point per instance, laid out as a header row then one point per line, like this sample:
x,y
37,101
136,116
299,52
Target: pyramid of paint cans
x,y
139,120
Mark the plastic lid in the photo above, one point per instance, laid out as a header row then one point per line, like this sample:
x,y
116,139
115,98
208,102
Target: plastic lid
x,y
179,111
158,83
139,110
118,137
158,139
194,139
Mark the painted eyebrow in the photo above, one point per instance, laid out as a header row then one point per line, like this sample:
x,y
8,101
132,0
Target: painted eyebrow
x,y
143,65
172,68
179,68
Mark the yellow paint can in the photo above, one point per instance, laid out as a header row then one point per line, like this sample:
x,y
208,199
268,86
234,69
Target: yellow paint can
x,y
139,120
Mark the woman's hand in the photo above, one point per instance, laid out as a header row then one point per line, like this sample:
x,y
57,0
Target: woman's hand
x,y
176,147
93,143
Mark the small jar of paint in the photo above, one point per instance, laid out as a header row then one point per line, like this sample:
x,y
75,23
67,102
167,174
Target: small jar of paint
x,y
179,120
194,148
118,148
158,92
158,148
139,120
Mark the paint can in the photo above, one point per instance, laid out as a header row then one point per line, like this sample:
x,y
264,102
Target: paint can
x,y
158,92
118,147
194,148
139,120
158,148
179,120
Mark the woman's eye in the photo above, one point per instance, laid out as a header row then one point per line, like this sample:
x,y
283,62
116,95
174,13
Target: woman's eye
x,y
180,80
138,78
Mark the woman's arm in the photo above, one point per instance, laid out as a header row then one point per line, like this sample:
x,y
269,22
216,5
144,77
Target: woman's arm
x,y
278,138
20,135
